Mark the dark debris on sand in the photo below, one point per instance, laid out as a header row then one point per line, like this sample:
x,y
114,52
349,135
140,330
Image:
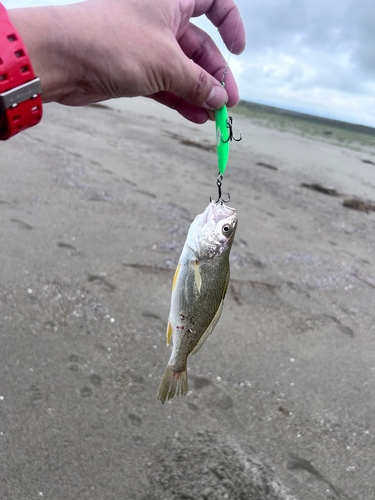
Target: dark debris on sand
x,y
315,186
358,204
266,165
189,142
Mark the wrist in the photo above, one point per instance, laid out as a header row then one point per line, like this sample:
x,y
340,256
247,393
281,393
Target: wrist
x,y
43,31
20,89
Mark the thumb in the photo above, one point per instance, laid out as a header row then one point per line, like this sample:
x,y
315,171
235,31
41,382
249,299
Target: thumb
x,y
196,86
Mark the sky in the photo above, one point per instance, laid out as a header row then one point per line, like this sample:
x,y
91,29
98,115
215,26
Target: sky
x,y
313,56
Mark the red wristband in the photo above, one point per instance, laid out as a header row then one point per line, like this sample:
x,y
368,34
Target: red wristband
x,y
20,101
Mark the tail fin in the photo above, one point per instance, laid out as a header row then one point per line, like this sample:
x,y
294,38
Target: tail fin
x,y
171,383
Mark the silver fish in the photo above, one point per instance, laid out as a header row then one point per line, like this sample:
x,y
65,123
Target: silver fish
x,y
199,286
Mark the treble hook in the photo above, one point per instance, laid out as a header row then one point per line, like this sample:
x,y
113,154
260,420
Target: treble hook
x,y
230,127
219,183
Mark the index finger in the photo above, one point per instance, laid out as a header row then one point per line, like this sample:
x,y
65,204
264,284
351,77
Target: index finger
x,y
225,15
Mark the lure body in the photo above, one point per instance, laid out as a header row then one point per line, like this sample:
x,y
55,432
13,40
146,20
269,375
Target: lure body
x,y
222,138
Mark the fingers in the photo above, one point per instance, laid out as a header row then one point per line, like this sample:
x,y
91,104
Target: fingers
x,y
192,82
225,15
187,110
200,47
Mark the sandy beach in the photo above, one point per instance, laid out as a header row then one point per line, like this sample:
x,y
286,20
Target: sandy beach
x,y
95,204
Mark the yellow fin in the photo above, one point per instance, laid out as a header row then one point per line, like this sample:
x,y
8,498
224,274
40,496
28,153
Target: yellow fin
x,y
169,332
175,276
171,383
198,277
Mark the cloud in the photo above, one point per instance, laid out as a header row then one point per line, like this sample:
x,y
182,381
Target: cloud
x,y
316,56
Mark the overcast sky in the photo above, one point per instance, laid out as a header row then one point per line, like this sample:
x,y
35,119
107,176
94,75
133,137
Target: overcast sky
x,y
312,56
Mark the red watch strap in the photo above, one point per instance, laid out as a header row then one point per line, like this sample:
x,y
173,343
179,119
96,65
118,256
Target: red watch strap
x,y
20,101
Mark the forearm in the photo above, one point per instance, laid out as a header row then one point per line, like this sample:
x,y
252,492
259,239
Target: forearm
x,y
47,40
82,57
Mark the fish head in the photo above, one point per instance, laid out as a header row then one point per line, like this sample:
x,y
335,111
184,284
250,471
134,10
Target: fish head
x,y
212,232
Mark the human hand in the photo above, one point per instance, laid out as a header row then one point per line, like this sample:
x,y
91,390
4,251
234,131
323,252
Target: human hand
x,y
101,49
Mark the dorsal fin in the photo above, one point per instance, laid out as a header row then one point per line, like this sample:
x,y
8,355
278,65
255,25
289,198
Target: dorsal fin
x,y
175,276
169,332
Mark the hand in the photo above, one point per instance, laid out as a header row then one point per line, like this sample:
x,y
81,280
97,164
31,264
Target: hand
x,y
101,49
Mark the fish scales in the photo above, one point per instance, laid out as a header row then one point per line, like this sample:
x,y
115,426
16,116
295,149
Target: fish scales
x,y
199,288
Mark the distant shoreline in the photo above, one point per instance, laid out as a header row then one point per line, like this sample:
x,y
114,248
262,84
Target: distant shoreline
x,y
328,122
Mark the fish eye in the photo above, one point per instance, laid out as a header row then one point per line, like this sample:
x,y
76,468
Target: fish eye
x,y
226,229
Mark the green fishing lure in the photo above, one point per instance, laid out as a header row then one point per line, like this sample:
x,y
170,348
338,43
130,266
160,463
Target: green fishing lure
x,y
224,134
222,138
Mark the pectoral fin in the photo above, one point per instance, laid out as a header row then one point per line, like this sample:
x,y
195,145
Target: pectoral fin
x,y
197,275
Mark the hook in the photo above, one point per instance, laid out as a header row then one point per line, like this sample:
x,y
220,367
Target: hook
x,y
219,183
231,136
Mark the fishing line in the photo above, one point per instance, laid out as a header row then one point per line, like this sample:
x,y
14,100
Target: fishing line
x,y
230,51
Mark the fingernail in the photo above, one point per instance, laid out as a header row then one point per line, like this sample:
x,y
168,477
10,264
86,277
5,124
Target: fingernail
x,y
217,98
211,114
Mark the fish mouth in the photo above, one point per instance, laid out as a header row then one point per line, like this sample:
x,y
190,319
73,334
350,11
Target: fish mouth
x,y
219,212
216,213
203,228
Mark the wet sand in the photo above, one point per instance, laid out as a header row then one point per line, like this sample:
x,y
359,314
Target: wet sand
x,y
95,204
